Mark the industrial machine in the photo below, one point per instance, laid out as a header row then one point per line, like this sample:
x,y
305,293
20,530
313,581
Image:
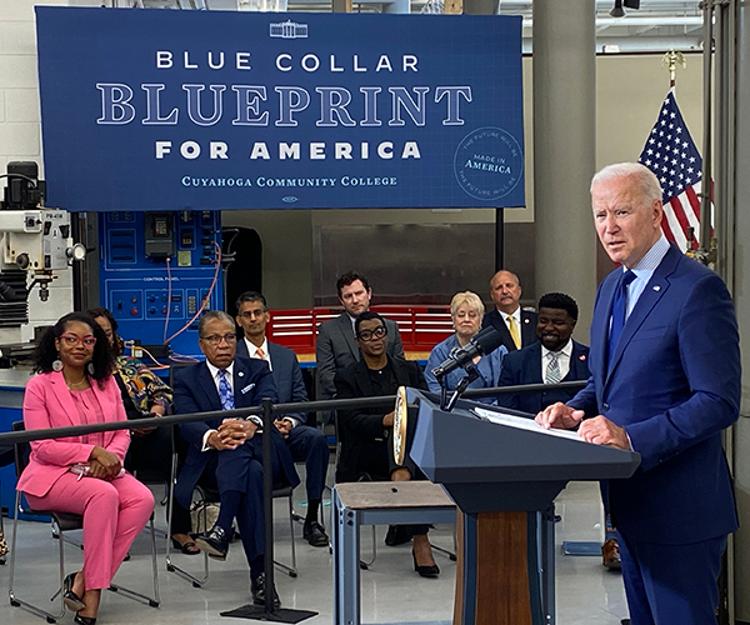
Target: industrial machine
x,y
36,245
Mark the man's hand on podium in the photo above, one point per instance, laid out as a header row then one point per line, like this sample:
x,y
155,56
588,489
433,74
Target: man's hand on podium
x,y
602,431
559,416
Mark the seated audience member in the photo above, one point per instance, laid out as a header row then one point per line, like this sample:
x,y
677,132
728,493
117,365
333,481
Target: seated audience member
x,y
514,324
336,346
145,395
466,312
83,474
226,454
556,357
364,433
306,444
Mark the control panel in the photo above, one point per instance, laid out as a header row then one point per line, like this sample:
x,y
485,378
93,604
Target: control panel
x,y
156,270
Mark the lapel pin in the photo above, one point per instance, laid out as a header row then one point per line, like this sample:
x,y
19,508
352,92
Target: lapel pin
x,y
241,374
582,357
657,288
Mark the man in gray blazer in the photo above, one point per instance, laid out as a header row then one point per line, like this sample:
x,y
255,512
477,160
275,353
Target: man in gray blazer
x,y
337,346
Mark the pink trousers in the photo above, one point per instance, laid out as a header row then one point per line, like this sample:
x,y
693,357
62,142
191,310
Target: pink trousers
x,y
113,515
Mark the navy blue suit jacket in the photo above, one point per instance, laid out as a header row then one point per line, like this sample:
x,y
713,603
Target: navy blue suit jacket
x,y
528,327
524,366
287,375
195,391
674,386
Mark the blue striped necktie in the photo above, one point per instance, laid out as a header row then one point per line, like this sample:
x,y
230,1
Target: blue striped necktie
x,y
619,307
225,391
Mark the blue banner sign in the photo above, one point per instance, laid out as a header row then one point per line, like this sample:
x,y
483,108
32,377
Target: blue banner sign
x,y
172,110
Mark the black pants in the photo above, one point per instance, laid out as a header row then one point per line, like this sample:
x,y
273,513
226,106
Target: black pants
x,y
150,458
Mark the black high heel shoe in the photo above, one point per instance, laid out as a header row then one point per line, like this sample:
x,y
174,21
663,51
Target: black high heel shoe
x,y
425,570
71,600
84,620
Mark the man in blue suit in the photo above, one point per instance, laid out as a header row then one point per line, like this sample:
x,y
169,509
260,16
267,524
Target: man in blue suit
x,y
228,454
306,444
665,382
554,358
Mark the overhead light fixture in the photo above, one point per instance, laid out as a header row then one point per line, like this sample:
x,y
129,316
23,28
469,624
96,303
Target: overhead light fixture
x,y
617,10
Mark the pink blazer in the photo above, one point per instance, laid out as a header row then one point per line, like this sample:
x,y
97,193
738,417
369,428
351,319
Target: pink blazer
x,y
47,403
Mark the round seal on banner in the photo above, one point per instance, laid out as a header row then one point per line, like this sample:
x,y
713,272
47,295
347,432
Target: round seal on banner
x,y
488,163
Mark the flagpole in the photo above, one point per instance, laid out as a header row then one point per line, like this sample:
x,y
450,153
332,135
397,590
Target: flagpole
x,y
672,60
708,38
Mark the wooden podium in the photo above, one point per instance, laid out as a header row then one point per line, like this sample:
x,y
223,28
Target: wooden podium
x,y
502,471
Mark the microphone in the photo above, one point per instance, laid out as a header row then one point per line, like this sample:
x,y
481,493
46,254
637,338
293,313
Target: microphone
x,y
486,342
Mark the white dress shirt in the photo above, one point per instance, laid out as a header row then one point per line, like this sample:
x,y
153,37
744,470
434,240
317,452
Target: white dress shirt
x,y
216,377
563,360
516,315
644,271
252,351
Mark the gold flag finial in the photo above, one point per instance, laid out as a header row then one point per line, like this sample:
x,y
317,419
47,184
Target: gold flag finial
x,y
672,60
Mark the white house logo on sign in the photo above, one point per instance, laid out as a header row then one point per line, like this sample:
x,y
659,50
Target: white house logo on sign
x,y
287,30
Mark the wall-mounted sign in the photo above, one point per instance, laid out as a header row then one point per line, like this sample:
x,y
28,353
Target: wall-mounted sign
x,y
170,110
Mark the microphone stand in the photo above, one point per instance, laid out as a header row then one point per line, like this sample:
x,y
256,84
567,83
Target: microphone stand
x,y
447,403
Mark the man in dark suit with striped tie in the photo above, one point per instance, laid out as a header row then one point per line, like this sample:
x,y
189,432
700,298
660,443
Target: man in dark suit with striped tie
x,y
556,357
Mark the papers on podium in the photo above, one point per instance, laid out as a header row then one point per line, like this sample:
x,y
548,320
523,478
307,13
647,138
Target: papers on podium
x,y
523,423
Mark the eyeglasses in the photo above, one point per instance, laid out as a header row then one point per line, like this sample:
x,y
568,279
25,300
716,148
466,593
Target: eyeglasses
x,y
369,335
216,339
71,340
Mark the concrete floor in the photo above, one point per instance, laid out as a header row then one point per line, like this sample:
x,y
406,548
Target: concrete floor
x,y
587,594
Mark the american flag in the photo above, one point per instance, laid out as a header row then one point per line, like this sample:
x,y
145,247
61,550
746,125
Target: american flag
x,y
671,154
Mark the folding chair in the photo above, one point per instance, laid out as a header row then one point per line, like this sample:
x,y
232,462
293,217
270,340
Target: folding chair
x,y
63,522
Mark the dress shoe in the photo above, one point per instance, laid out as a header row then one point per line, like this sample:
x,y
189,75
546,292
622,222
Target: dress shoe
x,y
70,597
84,620
397,535
425,570
258,590
214,542
189,548
314,533
611,555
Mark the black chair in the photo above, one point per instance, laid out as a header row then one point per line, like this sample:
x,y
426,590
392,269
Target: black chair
x,y
63,522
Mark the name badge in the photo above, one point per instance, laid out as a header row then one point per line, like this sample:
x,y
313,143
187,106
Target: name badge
x,y
248,388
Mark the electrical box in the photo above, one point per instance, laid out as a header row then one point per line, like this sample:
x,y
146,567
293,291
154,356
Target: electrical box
x,y
156,271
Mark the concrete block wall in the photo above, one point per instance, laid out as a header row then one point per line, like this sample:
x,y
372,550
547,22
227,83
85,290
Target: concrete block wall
x,y
20,129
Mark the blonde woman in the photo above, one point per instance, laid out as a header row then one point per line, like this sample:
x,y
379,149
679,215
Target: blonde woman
x,y
467,311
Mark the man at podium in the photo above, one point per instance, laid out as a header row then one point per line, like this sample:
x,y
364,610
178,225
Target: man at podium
x,y
665,382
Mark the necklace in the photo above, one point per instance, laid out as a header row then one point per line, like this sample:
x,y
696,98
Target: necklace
x,y
81,383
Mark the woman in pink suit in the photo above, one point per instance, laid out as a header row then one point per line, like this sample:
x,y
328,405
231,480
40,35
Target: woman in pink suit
x,y
83,474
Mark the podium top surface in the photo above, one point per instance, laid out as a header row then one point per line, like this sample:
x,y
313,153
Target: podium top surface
x,y
483,444
375,495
